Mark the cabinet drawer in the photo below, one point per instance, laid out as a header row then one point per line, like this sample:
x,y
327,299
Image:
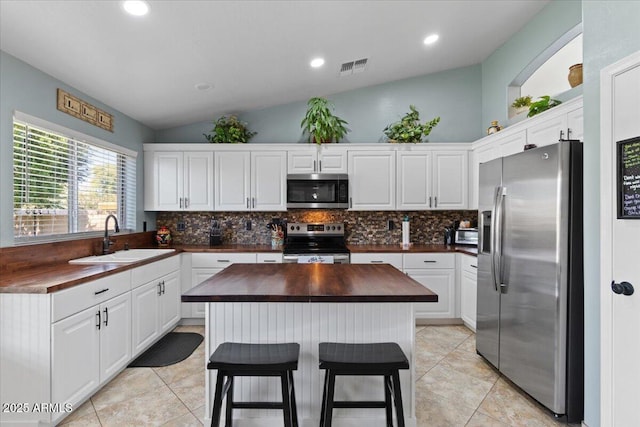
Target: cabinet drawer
x,y
149,272
269,258
378,258
429,260
469,264
81,297
221,260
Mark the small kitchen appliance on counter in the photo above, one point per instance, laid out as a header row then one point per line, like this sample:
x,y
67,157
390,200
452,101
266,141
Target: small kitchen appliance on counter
x,y
319,241
466,236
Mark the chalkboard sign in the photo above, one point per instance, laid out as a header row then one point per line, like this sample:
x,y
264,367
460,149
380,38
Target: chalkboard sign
x,y
629,178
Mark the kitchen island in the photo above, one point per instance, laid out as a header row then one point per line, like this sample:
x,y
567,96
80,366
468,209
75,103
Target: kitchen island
x,y
309,304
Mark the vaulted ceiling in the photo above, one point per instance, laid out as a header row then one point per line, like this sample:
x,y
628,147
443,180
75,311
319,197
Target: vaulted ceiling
x,y
252,54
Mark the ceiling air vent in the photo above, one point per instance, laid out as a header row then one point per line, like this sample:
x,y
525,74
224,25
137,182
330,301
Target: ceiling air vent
x,y
353,67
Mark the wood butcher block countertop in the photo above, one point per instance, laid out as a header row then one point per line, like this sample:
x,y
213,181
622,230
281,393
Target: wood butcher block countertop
x,y
310,283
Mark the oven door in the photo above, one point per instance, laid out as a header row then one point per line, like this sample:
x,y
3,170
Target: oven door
x,y
318,191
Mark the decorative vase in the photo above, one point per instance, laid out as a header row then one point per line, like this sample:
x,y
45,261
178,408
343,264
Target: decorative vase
x,y
575,75
495,127
163,236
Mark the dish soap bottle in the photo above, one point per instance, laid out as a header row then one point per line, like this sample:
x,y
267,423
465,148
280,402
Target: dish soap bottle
x,y
405,232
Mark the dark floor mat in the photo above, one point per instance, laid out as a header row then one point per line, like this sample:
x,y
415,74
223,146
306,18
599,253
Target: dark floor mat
x,y
172,348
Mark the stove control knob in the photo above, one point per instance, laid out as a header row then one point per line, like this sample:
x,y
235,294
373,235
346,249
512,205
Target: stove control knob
x,y
339,227
297,227
292,227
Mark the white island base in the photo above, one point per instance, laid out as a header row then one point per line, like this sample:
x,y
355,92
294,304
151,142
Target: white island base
x,y
309,323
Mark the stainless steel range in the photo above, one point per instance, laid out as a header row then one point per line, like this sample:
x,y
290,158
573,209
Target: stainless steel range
x,y
315,242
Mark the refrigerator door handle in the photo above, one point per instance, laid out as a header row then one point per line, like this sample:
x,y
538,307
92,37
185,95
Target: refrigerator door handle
x,y
499,228
492,238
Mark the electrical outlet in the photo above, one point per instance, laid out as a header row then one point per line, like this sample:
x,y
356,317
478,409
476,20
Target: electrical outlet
x,y
390,225
247,225
180,226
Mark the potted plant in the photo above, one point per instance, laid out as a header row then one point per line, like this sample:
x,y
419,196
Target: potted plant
x,y
543,104
229,130
409,128
320,123
521,104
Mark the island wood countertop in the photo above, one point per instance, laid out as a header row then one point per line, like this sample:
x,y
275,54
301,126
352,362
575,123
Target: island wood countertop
x,y
310,283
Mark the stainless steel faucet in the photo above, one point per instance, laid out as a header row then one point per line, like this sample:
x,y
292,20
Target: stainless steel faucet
x,y
106,243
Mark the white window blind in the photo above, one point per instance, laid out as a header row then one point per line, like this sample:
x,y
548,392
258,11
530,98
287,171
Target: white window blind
x,y
64,185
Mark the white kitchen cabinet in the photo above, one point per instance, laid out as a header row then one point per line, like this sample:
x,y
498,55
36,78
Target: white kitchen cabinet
x,y
269,257
414,180
575,124
89,348
155,300
319,159
548,131
510,144
178,181
205,265
450,180
372,180
248,181
435,271
394,259
468,290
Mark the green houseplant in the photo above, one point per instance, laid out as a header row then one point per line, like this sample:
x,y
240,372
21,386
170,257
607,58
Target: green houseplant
x,y
228,129
523,101
543,104
409,128
320,123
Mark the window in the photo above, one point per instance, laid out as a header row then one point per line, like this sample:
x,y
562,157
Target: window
x,y
65,183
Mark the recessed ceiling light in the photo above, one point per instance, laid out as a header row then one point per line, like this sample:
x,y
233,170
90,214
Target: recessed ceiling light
x,y
317,62
431,39
136,7
204,86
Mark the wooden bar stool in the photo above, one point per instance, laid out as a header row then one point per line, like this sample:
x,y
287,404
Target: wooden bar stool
x,y
384,359
254,360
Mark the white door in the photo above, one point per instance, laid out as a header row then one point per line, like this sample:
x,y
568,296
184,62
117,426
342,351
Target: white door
x,y
115,335
620,314
450,179
167,176
198,181
548,132
269,181
305,161
233,181
372,177
414,180
145,317
332,161
169,301
442,282
199,275
76,356
575,124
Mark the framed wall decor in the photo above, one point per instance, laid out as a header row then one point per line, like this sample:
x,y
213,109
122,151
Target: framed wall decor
x,y
628,178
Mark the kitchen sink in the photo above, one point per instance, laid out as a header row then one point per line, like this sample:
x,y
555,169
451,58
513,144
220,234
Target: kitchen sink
x,y
122,257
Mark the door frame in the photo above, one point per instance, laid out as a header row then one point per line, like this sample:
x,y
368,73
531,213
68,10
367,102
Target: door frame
x,y
607,202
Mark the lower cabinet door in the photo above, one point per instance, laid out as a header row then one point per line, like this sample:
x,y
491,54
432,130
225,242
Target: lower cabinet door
x,y
169,301
468,298
442,282
199,275
145,315
75,356
115,335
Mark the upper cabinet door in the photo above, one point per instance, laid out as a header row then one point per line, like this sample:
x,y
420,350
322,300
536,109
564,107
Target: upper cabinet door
x,y
198,181
548,132
333,161
304,161
414,180
269,181
575,124
450,179
372,179
167,181
233,181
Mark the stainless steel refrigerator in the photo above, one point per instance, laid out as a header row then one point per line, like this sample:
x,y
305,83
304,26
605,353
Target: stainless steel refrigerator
x,y
530,275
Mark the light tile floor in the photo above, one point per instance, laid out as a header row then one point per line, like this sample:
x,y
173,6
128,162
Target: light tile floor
x,y
454,388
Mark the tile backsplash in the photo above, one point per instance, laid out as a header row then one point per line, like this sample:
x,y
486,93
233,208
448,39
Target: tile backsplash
x,y
362,227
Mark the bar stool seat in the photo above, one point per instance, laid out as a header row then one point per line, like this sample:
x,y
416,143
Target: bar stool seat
x,y
384,359
254,360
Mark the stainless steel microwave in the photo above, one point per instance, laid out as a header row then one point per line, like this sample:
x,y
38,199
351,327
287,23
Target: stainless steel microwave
x,y
318,191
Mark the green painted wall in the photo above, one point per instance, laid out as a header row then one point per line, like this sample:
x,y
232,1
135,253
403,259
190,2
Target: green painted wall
x,y
29,90
502,66
611,32
454,95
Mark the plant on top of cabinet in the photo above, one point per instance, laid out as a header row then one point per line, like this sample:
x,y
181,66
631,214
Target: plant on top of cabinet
x,y
543,104
409,128
229,130
521,104
320,123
